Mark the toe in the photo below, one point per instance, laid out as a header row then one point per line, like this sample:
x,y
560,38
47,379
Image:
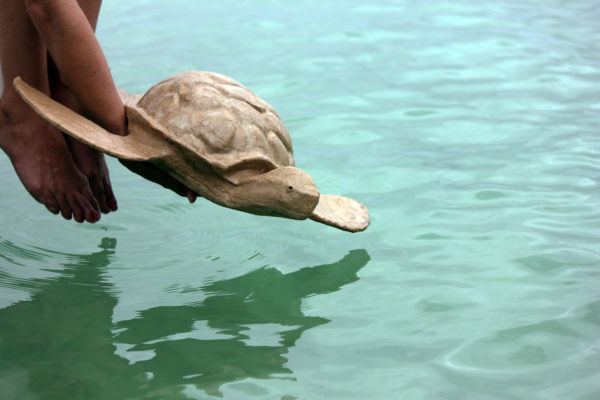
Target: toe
x,y
90,206
90,214
53,210
50,202
76,207
65,208
97,187
110,196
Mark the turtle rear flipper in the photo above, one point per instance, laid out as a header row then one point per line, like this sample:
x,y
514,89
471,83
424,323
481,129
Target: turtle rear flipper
x,y
84,130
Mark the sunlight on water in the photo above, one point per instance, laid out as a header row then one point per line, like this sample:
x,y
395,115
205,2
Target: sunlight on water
x,y
470,130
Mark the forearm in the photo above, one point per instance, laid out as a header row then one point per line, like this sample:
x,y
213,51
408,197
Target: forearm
x,y
71,42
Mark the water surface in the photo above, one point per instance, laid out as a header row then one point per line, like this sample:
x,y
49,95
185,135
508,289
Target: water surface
x,y
470,130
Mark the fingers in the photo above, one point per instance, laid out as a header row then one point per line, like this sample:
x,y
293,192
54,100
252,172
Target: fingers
x,y
157,175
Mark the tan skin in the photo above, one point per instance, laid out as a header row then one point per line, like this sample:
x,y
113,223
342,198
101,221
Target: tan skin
x,y
51,44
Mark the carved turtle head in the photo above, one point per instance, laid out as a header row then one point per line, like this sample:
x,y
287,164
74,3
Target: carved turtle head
x,y
283,192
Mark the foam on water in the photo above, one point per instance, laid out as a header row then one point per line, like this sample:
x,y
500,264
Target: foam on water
x,y
468,129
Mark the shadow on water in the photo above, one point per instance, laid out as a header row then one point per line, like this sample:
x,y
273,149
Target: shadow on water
x,y
63,344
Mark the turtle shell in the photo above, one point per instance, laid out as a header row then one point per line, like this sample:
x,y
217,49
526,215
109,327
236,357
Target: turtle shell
x,y
219,120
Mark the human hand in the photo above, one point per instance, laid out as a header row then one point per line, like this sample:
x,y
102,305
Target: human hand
x,y
151,172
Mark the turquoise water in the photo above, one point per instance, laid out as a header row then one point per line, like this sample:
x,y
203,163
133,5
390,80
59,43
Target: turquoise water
x,y
469,129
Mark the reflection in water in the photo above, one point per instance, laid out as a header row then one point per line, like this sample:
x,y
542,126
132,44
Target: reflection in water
x,y
59,344
63,344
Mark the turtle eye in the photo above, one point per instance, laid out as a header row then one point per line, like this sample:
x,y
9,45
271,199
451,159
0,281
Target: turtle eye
x,y
290,188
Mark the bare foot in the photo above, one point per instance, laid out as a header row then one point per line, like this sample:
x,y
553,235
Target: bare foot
x,y
89,161
92,164
44,164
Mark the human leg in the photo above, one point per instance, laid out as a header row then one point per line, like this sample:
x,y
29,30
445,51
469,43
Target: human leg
x,y
89,161
37,151
72,44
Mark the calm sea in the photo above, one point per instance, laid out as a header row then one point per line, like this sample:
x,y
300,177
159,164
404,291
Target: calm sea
x,y
470,131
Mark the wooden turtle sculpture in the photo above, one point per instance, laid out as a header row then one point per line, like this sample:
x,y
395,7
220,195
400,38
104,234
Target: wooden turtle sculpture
x,y
216,137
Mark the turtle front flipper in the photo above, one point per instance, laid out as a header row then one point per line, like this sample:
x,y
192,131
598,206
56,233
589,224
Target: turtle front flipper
x,y
341,212
84,130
